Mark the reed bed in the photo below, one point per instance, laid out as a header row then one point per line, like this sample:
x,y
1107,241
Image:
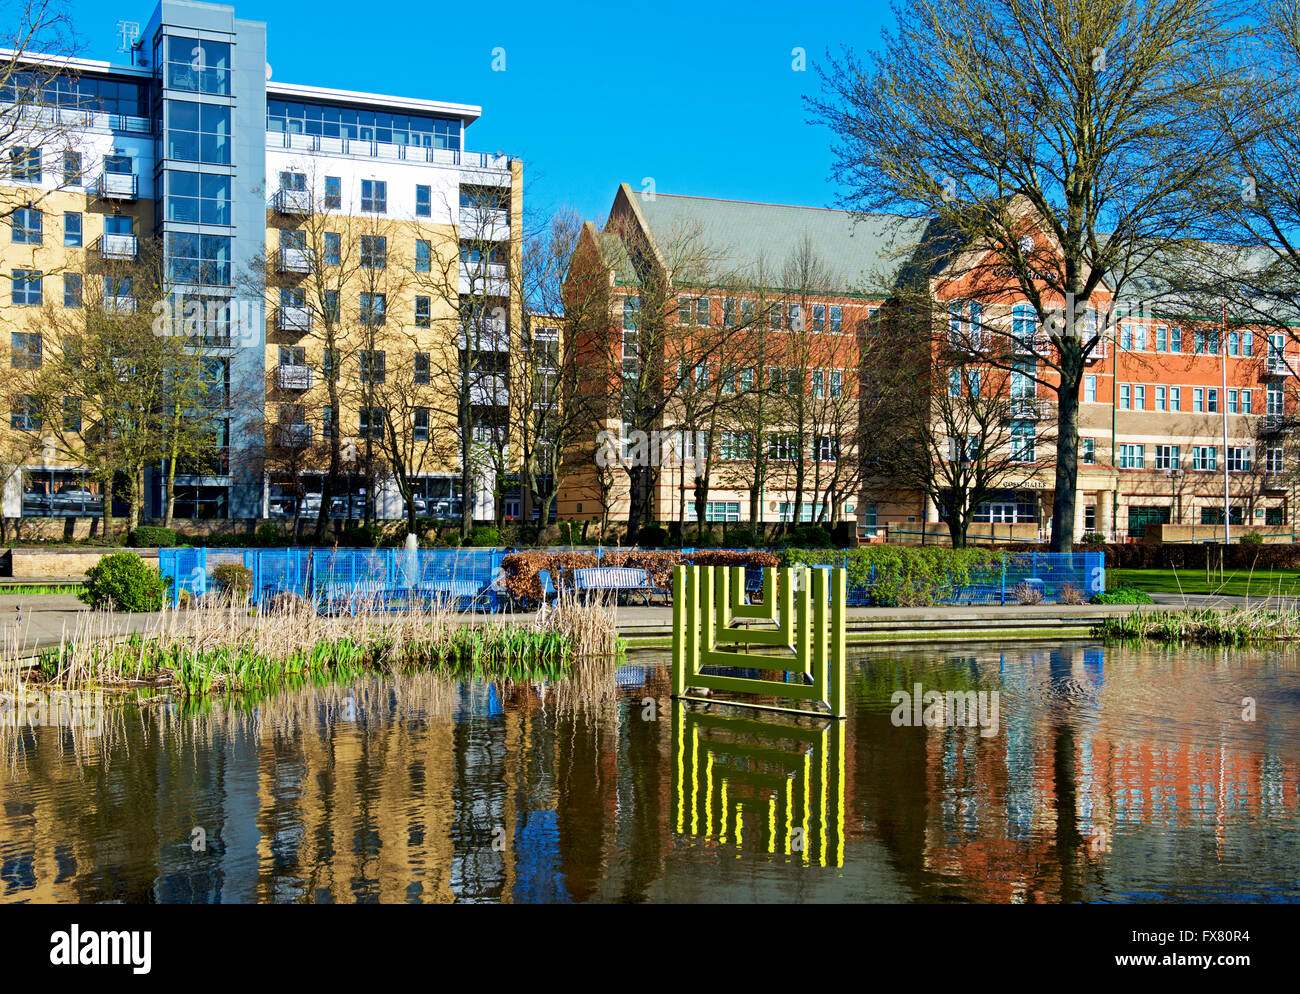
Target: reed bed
x,y
223,648
1237,626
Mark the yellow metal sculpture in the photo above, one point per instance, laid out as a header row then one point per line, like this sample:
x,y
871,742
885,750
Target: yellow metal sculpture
x,y
765,783
807,609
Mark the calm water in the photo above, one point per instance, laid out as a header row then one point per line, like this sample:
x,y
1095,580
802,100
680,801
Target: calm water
x,y
1114,774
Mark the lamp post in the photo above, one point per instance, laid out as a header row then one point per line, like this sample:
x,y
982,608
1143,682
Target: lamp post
x,y
1174,473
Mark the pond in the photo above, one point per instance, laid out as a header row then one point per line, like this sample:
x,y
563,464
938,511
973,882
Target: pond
x,y
1081,773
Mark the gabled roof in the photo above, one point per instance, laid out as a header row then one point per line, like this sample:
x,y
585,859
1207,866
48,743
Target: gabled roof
x,y
862,253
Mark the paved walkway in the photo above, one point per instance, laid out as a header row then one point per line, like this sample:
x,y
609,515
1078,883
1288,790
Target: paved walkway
x,y
45,619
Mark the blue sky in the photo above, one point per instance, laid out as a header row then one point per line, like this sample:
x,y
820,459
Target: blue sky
x,y
701,97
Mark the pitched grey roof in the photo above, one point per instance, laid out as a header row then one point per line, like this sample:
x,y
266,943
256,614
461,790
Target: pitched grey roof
x,y
862,253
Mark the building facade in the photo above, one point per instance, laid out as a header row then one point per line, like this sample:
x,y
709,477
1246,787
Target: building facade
x,y
1173,411
323,246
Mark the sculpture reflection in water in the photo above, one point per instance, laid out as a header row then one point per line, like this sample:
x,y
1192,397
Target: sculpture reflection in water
x,y
774,782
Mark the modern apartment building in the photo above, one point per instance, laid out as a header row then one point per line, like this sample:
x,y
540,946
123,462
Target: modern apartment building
x,y
1167,404
328,242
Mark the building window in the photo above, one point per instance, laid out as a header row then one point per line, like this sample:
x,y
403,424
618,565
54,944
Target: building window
x,y
293,182
25,415
27,287
26,225
1205,457
72,290
1273,459
423,314
1273,399
72,168
734,446
819,317
370,422
837,319
333,248
1125,399
1140,397
423,256
421,424
422,368
1232,401
200,259
330,306
1212,399
1238,459
1088,451
25,164
1162,338
1090,389
1198,399
1162,399
374,196
782,447
72,229
374,251
423,201
25,349
1090,517
373,308
333,193
1246,401
328,419
1234,343
195,197
1175,398
1131,456
198,132
1166,457
72,414
826,448
1022,441
372,366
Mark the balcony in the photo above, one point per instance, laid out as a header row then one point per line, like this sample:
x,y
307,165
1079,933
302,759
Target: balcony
x,y
118,186
293,377
120,305
490,280
485,224
293,318
492,337
489,391
1277,365
293,436
294,203
294,260
121,247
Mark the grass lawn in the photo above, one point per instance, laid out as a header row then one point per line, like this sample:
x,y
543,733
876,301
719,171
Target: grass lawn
x,y
1261,583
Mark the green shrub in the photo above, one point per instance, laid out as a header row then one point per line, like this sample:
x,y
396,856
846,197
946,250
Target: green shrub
x,y
123,582
652,537
743,538
361,537
1251,538
148,537
900,574
483,536
810,537
1093,538
233,580
1123,595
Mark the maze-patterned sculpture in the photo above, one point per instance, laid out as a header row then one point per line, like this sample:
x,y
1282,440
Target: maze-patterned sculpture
x,y
807,609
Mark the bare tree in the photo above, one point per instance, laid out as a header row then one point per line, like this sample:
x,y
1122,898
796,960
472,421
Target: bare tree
x,y
1064,148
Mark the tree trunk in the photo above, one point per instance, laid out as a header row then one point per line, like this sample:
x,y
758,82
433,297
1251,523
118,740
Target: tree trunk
x,y
107,511
1067,448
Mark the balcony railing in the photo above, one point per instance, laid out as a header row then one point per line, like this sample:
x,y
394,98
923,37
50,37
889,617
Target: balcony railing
x,y
295,260
1277,365
120,305
292,317
293,377
492,279
1029,407
293,202
124,247
293,436
496,167
490,391
484,223
119,186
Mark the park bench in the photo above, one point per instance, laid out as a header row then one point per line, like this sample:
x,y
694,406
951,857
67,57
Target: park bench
x,y
616,580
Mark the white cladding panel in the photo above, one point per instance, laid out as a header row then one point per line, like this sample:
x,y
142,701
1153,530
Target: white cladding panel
x,y
401,177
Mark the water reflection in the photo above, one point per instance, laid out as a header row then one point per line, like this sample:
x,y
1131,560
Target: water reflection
x,y
1116,774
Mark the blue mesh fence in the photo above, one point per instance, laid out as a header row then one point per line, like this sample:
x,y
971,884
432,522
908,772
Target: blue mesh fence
x,y
346,579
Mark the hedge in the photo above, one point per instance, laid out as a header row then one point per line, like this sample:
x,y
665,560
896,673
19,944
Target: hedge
x,y
521,569
1188,555
899,574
